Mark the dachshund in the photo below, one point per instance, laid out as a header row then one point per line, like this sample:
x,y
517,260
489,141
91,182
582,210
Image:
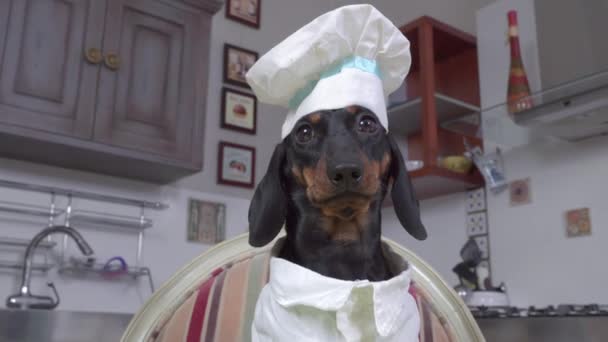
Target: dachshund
x,y
325,183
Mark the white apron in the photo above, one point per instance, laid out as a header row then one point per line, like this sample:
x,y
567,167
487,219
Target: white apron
x,y
300,305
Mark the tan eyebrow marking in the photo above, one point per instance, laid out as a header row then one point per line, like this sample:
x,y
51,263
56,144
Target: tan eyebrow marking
x,y
315,118
352,109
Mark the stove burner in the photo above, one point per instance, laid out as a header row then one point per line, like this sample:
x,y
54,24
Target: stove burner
x,y
495,311
562,310
583,310
548,311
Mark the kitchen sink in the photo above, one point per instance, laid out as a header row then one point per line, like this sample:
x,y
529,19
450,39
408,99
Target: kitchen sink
x,y
61,326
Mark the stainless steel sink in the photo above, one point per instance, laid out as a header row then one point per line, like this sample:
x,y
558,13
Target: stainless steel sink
x,y
61,326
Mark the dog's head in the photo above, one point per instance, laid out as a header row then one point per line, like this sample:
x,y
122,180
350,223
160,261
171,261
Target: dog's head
x,y
339,162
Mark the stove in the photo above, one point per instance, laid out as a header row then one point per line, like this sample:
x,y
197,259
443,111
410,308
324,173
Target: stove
x,y
562,310
495,311
555,323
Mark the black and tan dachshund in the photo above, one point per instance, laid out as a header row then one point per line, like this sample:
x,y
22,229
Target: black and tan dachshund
x,y
326,182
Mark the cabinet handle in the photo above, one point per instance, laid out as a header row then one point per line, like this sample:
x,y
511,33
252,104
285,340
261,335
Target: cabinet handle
x,y
93,56
112,61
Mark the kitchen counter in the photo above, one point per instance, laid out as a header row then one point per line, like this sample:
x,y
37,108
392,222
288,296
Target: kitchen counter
x,y
554,329
61,326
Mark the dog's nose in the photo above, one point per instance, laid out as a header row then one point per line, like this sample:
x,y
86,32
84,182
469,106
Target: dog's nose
x,y
345,175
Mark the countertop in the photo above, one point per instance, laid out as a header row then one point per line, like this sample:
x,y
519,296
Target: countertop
x,y
554,329
61,326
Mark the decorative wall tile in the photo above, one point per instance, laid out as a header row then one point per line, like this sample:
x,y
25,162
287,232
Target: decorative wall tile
x,y
578,222
477,223
476,200
519,191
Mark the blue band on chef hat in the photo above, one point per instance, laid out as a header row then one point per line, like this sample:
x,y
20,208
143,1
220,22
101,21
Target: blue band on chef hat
x,y
353,62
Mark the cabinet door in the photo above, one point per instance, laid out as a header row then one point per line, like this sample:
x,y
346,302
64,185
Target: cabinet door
x,y
45,82
149,102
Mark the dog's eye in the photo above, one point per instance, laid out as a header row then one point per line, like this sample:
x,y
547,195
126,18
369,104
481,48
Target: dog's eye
x,y
367,124
304,134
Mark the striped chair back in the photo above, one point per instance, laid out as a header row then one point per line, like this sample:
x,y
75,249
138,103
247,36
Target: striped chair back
x,y
201,304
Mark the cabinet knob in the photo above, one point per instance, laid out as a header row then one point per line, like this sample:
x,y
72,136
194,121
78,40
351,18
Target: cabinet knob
x,y
112,61
93,56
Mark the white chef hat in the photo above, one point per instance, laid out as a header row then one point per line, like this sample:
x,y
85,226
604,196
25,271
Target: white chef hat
x,y
352,55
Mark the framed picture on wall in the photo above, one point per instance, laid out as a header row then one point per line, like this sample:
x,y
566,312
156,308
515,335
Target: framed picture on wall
x,y
206,221
239,111
237,61
236,165
246,12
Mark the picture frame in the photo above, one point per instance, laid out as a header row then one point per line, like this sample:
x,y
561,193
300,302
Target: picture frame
x,y
246,12
520,192
578,222
206,221
237,61
236,165
239,111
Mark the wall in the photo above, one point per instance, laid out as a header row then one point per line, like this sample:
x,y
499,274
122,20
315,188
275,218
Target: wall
x,y
165,247
530,250
444,219
528,244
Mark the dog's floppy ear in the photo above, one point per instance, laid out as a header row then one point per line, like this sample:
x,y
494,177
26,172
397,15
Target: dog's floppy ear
x,y
268,207
402,194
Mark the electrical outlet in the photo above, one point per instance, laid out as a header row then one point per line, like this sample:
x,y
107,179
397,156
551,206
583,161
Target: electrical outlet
x,y
476,200
477,224
484,246
484,264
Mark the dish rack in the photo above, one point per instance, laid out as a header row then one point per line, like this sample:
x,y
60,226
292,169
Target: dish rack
x,y
22,243
81,219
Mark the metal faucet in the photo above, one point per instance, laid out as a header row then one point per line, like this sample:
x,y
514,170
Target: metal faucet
x,y
25,299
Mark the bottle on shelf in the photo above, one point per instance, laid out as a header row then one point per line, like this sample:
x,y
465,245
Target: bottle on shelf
x,y
518,91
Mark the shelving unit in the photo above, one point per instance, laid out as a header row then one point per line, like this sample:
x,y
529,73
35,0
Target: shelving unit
x,y
13,209
97,271
29,210
19,266
81,219
92,218
442,86
16,242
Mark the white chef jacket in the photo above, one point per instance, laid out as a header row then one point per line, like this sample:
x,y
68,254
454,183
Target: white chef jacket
x,y
300,305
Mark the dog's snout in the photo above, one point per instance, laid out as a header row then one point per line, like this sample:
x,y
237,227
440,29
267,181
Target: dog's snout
x,y
345,175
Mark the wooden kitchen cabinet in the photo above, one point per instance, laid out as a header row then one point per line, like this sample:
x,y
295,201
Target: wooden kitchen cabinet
x,y
110,86
146,101
442,85
45,83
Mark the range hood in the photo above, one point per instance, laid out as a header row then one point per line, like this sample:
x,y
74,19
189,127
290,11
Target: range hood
x,y
573,65
573,111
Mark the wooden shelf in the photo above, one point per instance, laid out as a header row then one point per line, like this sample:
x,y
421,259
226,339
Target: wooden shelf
x,y
436,181
405,118
443,87
447,41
